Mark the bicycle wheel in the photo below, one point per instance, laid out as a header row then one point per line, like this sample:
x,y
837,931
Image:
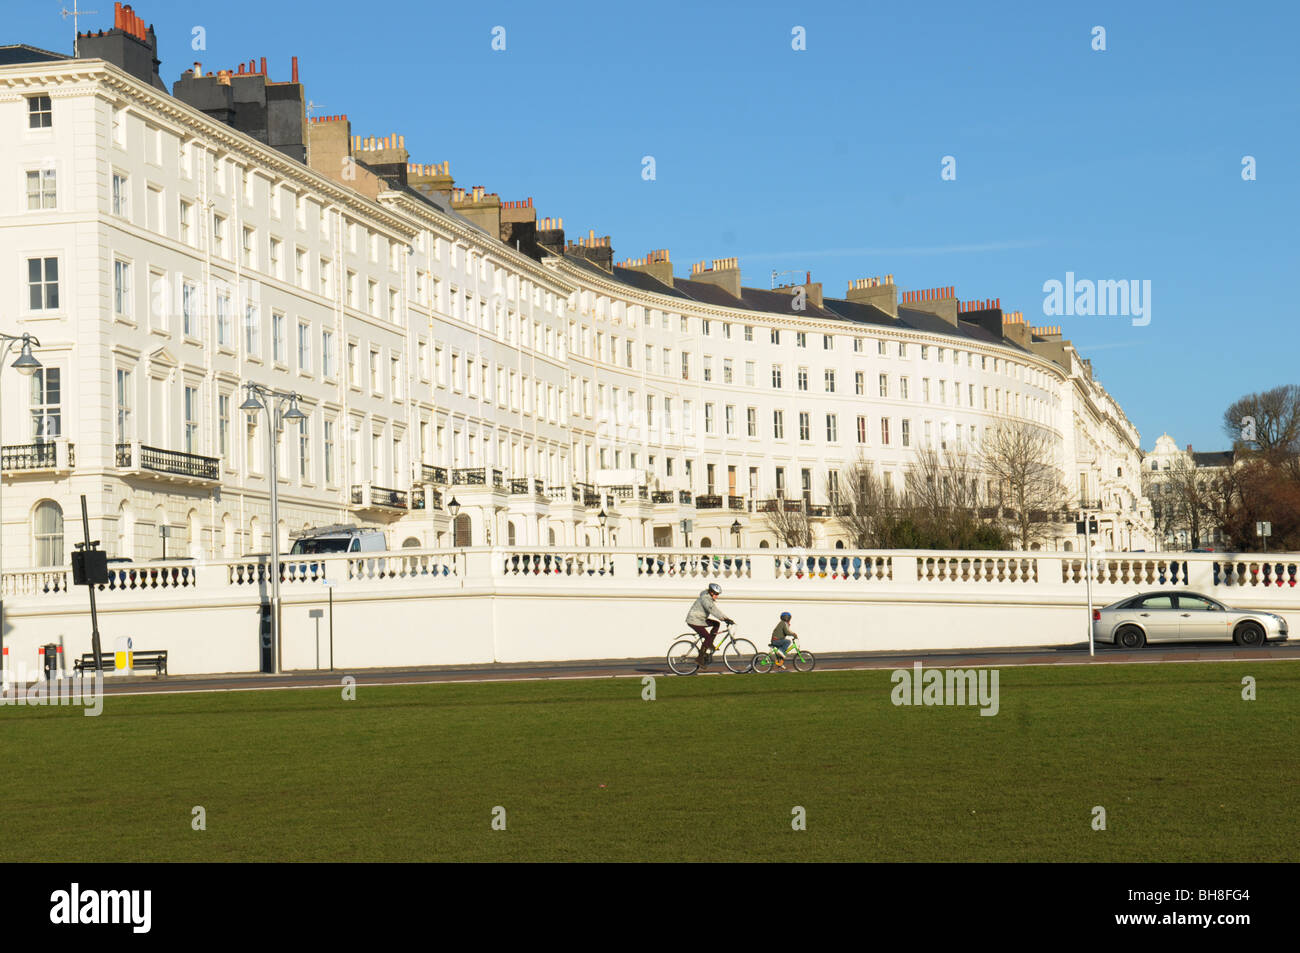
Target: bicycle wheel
x,y
739,656
763,663
681,657
803,661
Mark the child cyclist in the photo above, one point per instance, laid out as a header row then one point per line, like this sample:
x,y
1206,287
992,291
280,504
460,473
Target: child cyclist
x,y
781,637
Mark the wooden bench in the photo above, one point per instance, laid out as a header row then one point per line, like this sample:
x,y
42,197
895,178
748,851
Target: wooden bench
x,y
155,659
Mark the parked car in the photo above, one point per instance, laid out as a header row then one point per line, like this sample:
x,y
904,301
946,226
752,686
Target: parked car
x,y
1183,617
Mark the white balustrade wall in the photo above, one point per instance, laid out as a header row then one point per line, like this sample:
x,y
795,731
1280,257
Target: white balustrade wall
x,y
475,606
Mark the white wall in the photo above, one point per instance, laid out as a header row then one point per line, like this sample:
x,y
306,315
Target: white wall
x,y
488,605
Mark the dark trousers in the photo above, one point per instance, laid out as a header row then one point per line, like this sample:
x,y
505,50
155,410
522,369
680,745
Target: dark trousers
x,y
708,631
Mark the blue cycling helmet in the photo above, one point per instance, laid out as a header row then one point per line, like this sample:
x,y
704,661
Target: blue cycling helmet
x,y
785,617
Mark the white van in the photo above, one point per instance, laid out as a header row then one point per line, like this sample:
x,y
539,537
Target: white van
x,y
339,539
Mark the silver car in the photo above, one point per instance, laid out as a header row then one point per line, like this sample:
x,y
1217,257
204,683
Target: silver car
x,y
1182,617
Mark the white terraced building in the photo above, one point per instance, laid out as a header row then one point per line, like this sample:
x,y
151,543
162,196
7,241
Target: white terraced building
x,y
165,249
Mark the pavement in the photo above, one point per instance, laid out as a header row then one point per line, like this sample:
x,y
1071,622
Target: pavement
x,y
637,668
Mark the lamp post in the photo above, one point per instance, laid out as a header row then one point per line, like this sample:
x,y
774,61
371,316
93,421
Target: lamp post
x,y
279,406
735,533
27,365
453,507
1087,526
603,517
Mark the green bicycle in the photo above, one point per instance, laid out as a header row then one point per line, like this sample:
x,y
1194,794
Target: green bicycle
x,y
737,654
801,659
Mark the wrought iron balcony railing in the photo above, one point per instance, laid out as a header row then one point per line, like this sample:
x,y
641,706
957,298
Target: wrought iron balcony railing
x,y
433,474
170,461
29,456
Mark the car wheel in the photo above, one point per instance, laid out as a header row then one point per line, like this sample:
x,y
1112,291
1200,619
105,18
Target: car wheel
x,y
1249,633
1131,637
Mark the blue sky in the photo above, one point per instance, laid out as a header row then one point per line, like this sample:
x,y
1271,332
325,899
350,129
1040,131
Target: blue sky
x,y
1123,164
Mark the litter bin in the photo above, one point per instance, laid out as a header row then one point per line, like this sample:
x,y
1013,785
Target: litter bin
x,y
50,660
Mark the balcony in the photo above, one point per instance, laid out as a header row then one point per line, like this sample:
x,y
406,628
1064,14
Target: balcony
x,y
736,503
661,496
625,492
172,465
708,501
425,498
519,487
780,504
478,476
380,498
46,456
430,474
563,494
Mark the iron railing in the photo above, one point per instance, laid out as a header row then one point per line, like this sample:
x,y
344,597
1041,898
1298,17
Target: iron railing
x,y
171,461
29,456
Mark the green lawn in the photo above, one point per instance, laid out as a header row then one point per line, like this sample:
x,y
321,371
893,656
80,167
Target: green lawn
x,y
587,770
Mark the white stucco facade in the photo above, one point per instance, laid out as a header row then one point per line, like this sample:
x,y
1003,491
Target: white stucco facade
x,y
432,360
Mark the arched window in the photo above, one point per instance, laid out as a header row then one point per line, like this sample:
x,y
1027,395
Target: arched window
x,y
411,543
1069,546
462,535
839,544
510,534
705,543
550,535
47,533
762,544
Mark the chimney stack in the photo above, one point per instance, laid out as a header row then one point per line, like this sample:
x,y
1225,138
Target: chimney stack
x,y
941,302
878,292
723,273
656,264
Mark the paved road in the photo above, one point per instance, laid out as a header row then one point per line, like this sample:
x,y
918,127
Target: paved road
x,y
636,668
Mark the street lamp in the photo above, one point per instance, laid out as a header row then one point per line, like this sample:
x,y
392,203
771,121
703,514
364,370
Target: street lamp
x,y
453,507
27,365
603,517
735,533
279,406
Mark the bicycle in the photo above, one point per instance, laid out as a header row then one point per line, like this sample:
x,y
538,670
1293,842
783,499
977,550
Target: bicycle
x,y
737,654
801,659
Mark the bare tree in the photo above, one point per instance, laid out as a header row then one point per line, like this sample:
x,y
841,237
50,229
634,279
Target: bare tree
x,y
1268,424
863,504
942,501
1021,459
789,522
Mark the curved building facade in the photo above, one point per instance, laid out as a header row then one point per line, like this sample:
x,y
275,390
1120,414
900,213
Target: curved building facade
x,y
442,344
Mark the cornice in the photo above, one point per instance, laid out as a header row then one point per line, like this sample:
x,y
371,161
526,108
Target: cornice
x,y
464,234
188,122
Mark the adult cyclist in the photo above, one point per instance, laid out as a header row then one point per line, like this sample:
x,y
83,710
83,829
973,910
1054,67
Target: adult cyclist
x,y
698,619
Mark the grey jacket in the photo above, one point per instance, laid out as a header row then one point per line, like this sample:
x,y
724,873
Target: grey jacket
x,y
702,608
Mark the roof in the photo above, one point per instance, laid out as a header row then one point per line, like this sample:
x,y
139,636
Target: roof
x,y
760,300
22,53
1212,458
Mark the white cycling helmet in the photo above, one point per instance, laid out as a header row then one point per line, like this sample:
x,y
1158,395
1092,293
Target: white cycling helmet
x,y
715,589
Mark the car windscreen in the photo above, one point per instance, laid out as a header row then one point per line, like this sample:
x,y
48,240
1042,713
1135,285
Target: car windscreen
x,y
311,547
